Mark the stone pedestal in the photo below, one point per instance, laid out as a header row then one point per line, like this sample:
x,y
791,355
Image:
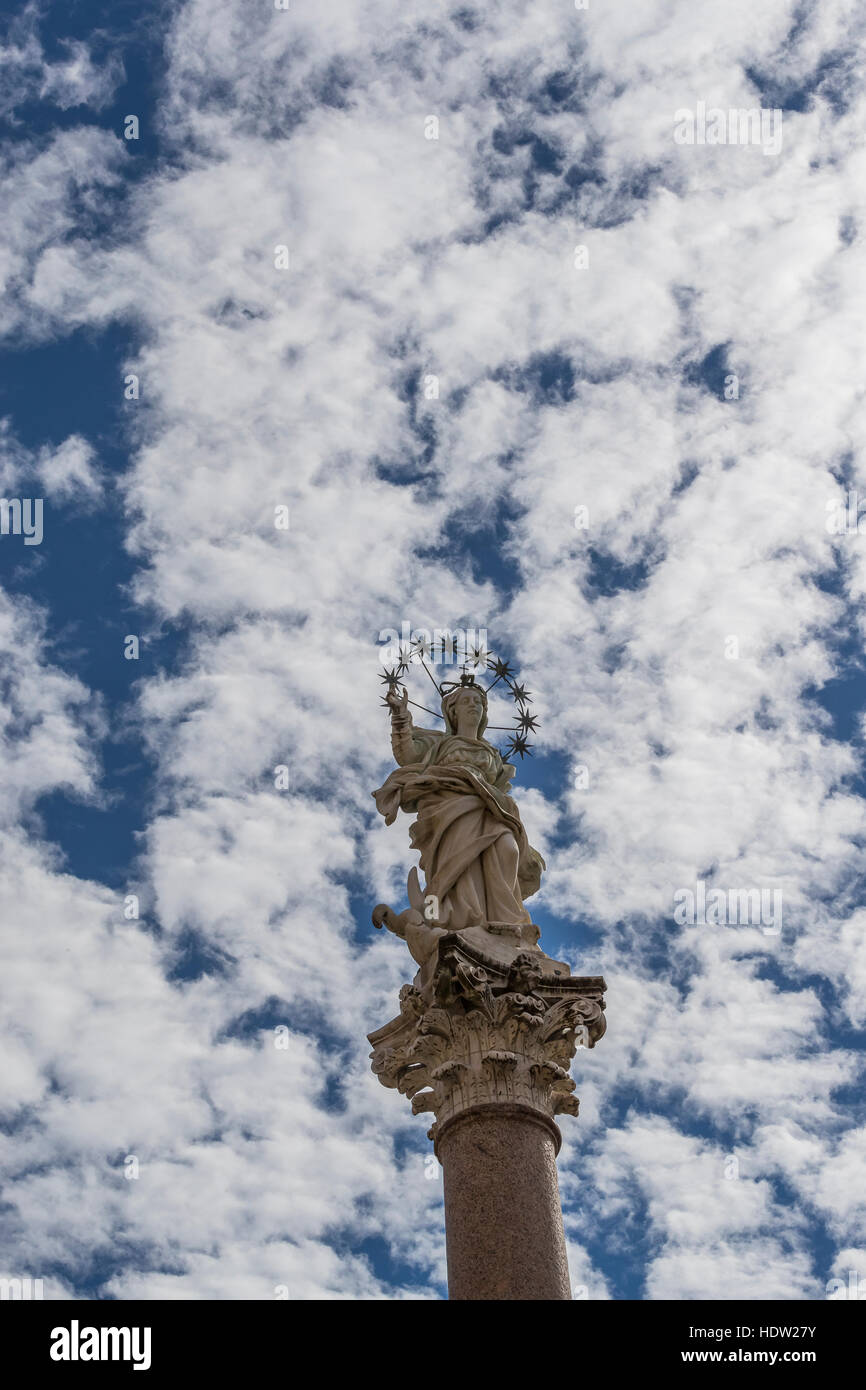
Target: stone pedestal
x,y
485,1044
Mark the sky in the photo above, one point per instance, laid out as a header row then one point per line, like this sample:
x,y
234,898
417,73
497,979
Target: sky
x,y
442,281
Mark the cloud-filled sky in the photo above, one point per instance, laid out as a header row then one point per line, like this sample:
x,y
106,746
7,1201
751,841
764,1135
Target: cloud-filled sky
x,y
441,281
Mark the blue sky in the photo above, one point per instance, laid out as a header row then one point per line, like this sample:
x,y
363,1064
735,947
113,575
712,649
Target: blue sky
x,y
736,762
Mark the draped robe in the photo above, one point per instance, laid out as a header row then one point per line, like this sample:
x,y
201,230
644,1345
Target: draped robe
x,y
475,855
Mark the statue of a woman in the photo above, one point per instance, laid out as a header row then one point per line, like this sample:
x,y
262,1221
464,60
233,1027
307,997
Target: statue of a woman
x,y
479,865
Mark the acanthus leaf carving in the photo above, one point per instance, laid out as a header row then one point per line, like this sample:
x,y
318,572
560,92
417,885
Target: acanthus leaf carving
x,y
483,1032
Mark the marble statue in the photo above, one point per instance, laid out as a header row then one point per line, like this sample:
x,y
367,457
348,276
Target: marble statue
x,y
478,863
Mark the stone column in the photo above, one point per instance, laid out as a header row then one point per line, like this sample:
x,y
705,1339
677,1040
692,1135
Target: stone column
x,y
503,1221
485,1046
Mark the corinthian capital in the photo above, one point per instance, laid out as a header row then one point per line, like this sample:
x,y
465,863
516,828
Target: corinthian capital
x,y
488,1032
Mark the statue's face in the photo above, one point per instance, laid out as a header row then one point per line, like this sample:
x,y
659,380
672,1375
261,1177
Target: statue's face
x,y
469,702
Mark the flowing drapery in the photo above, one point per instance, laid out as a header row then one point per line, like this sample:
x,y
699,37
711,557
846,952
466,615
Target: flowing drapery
x,y
474,852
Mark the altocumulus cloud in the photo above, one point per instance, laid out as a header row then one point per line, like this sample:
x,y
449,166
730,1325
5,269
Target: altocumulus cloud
x,y
624,478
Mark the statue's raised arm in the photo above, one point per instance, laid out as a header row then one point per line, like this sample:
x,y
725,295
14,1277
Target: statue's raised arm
x,y
406,746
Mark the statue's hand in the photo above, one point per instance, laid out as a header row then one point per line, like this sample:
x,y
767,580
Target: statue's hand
x,y
398,704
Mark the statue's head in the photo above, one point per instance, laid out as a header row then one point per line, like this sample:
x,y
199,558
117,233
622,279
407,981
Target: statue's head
x,y
465,697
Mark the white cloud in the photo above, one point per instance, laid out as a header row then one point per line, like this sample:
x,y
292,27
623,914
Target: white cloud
x,y
69,471
75,79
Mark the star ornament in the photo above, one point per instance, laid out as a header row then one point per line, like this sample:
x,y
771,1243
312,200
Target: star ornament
x,y
472,660
449,647
518,745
